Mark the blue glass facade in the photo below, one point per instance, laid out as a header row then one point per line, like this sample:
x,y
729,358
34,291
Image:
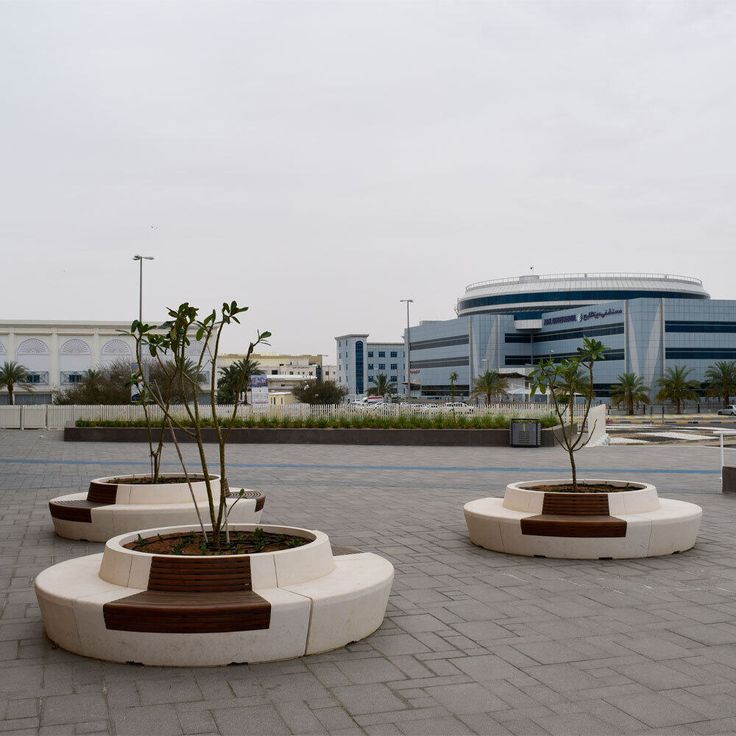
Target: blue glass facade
x,y
360,386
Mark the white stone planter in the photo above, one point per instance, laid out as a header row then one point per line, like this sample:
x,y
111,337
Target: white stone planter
x,y
283,604
623,524
112,507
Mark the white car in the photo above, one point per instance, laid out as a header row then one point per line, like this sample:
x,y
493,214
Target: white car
x,y
731,409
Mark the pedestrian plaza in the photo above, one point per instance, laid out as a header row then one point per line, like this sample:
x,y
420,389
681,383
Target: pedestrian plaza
x,y
474,642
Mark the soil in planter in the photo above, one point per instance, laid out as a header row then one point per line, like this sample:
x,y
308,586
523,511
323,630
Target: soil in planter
x,y
192,543
582,488
145,480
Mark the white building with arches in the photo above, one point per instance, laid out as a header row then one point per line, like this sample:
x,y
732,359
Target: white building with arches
x,y
57,354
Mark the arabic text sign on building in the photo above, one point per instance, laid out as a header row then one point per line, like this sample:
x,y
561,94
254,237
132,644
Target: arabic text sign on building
x,y
582,316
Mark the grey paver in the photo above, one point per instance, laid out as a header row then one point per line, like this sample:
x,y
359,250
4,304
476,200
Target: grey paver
x,y
473,641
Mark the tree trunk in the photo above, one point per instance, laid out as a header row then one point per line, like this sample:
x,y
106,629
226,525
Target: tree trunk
x,y
574,471
10,394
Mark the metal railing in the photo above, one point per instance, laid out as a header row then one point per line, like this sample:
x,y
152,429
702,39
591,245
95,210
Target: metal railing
x,y
534,278
51,416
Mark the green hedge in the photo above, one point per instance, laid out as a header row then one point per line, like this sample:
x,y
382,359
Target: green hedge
x,y
367,421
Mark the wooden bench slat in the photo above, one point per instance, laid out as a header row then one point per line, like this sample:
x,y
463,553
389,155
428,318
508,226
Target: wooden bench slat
x,y
565,525
168,613
582,504
79,510
104,493
182,574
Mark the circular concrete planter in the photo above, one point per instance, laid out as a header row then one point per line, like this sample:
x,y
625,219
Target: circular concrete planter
x,y
633,522
130,606
111,506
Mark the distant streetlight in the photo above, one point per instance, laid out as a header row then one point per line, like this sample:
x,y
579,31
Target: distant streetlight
x,y
408,348
140,260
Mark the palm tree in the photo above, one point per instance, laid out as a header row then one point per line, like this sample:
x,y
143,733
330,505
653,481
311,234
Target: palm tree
x,y
10,374
235,379
721,378
491,385
630,390
675,386
453,381
382,386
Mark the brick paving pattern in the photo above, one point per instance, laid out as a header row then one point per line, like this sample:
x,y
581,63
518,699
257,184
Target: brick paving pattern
x,y
474,642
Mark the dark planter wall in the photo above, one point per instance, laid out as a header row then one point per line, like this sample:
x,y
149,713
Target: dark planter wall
x,y
314,436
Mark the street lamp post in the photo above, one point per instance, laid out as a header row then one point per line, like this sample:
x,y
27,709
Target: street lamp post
x,y
140,260
408,348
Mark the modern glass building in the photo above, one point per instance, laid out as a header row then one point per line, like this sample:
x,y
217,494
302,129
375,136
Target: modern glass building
x,y
648,322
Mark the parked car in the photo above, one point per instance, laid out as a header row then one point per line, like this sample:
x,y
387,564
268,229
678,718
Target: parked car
x,y
729,410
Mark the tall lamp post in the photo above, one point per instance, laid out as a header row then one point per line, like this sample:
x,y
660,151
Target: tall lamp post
x,y
408,348
140,260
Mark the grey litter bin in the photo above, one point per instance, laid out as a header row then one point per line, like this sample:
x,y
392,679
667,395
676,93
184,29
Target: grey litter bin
x,y
525,433
728,479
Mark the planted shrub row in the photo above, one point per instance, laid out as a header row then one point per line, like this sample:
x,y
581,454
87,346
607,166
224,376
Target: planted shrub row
x,y
367,421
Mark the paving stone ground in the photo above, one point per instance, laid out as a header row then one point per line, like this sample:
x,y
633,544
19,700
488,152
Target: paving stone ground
x,y
473,643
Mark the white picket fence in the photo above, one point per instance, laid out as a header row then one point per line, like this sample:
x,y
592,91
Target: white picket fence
x,y
50,416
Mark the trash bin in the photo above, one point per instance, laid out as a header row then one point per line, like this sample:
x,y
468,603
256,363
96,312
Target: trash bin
x,y
525,433
728,479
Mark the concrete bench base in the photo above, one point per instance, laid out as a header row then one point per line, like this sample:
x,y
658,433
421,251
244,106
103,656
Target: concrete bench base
x,y
293,602
109,520
117,505
638,524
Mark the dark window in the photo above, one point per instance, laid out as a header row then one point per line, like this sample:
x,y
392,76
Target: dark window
x,y
381,353
370,353
439,363
700,353
512,337
580,332
440,342
370,366
359,385
393,379
381,366
394,366
394,354
699,326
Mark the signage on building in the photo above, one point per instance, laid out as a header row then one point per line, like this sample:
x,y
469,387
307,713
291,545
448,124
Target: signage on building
x,y
259,390
582,316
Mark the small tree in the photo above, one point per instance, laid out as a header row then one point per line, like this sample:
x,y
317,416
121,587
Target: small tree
x,y
319,392
630,390
171,345
12,373
721,378
675,386
491,385
381,386
562,382
453,381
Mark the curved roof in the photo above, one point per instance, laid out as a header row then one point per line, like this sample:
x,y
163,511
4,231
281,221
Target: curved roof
x,y
547,292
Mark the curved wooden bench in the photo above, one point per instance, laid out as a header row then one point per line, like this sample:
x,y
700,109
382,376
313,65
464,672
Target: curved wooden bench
x,y
574,515
203,596
98,516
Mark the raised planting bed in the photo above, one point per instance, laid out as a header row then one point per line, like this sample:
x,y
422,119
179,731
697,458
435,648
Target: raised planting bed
x,y
128,605
318,436
125,503
608,519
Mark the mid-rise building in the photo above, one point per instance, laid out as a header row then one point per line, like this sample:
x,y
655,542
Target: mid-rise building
x,y
359,362
648,323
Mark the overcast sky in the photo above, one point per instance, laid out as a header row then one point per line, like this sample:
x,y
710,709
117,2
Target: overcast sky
x,y
320,161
